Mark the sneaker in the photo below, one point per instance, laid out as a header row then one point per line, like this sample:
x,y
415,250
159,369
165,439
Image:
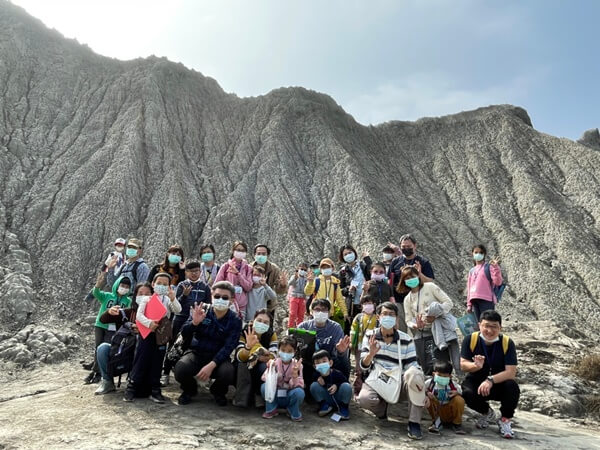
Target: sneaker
x,y
484,419
458,429
259,402
324,408
434,429
129,395
270,414
297,419
157,397
344,412
164,380
184,399
105,387
414,431
505,428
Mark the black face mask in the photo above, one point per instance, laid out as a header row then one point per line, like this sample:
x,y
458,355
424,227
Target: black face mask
x,y
407,251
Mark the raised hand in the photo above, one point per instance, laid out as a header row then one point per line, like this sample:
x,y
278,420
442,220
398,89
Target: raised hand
x,y
198,314
495,261
343,344
187,289
283,278
232,268
251,338
479,360
373,345
171,294
310,276
297,368
364,254
418,266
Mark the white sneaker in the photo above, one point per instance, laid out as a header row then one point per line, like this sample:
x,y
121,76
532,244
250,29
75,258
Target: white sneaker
x,y
505,428
105,387
165,380
485,419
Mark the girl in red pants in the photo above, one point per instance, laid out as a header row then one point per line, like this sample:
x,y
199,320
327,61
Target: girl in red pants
x,y
296,296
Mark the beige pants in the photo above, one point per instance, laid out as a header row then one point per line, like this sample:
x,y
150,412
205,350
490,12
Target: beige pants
x,y
451,412
369,399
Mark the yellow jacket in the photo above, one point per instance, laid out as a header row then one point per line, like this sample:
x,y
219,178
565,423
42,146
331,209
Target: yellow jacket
x,y
329,289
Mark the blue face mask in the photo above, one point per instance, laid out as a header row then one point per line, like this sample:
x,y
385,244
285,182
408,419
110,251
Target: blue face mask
x,y
323,368
350,257
260,259
161,289
387,322
412,282
442,381
131,252
327,272
174,259
286,357
316,271
478,256
207,257
260,328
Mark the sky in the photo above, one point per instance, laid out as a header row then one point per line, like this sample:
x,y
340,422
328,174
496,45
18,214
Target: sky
x,y
380,59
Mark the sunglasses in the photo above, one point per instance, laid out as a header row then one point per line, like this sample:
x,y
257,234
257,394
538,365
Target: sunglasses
x,y
217,297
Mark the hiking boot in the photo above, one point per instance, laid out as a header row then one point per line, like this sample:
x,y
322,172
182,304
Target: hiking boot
x,y
505,428
91,378
184,399
129,395
458,429
270,414
87,365
324,408
484,419
414,431
259,402
165,380
344,411
105,387
434,429
157,397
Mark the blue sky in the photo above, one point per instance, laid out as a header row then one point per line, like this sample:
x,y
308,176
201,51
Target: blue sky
x,y
380,60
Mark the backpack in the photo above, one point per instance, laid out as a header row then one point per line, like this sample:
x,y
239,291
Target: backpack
x,y
316,291
475,338
131,274
498,290
122,350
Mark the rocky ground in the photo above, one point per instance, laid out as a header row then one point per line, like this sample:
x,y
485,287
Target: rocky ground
x,y
46,405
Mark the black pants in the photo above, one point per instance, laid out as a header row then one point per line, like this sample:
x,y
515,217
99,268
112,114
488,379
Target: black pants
x,y
341,363
507,393
147,364
190,364
480,306
428,353
101,335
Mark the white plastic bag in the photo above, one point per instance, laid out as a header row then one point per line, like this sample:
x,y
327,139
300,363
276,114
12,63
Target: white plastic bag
x,y
270,384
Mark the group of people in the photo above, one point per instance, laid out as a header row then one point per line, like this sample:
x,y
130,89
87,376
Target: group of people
x,y
217,327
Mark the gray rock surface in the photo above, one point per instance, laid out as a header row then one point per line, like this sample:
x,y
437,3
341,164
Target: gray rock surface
x,y
92,148
37,344
591,138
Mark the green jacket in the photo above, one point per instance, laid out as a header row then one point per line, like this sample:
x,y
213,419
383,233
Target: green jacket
x,y
108,300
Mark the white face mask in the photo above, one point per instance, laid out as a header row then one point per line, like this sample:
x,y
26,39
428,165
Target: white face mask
x,y
256,279
220,305
388,256
119,248
496,339
320,316
122,291
239,255
141,298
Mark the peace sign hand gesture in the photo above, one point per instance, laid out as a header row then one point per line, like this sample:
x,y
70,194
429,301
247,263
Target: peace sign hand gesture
x,y
297,368
198,314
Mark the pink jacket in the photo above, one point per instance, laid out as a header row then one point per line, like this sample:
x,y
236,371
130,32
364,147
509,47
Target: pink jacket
x,y
478,285
284,375
243,279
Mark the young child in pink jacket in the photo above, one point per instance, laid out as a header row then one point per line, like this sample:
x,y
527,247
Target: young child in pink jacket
x,y
239,273
290,384
480,292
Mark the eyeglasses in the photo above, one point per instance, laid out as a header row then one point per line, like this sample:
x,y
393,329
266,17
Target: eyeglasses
x,y
217,297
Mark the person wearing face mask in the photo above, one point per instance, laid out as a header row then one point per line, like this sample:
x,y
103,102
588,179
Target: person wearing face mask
x,y
144,378
276,278
366,320
419,296
261,296
104,332
388,254
480,288
328,287
173,264
377,288
213,332
134,268
290,382
389,348
408,257
330,387
330,337
490,360
256,347
117,316
209,268
239,273
297,297
446,405
353,274
117,256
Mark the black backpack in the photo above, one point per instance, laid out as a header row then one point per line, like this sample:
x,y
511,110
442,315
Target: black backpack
x,y
122,350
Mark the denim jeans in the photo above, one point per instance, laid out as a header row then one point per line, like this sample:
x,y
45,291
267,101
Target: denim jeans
x,y
341,396
102,354
291,401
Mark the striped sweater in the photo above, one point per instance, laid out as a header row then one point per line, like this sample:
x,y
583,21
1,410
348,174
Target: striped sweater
x,y
387,355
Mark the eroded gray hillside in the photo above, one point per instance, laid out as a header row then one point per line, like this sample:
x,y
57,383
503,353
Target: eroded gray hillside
x,y
92,148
